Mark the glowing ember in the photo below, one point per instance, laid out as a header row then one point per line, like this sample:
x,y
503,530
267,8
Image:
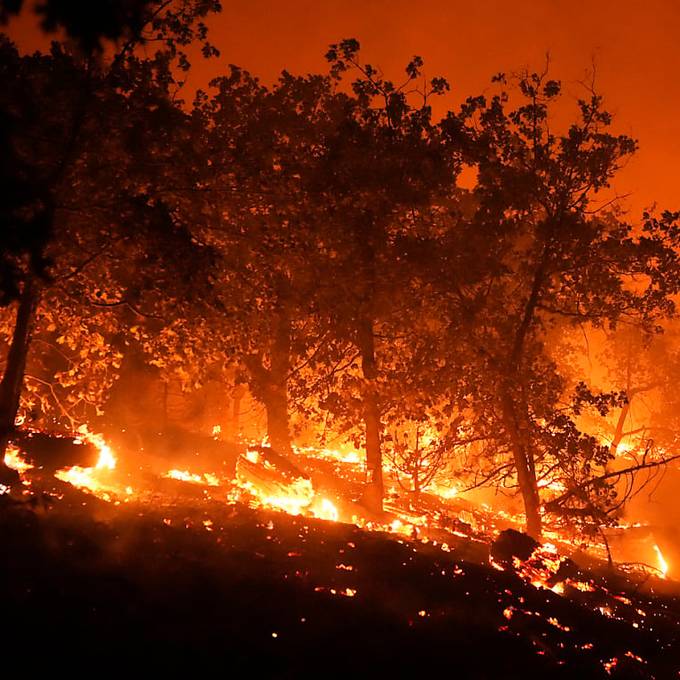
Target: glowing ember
x,y
610,665
541,566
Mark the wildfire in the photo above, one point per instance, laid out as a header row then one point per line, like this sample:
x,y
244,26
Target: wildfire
x,y
253,456
541,566
259,483
270,486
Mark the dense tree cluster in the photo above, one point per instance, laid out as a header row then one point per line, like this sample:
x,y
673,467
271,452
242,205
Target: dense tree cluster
x,y
315,240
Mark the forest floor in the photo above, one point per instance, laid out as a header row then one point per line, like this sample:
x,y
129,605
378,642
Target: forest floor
x,y
87,585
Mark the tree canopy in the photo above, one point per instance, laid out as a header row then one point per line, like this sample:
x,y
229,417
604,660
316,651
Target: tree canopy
x,y
312,239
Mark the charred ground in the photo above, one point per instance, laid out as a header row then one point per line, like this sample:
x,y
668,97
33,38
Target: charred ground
x,y
209,585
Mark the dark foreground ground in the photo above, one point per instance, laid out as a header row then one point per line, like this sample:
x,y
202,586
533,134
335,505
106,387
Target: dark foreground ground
x,y
88,587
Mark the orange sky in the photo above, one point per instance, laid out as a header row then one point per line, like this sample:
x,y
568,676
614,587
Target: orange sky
x,y
634,43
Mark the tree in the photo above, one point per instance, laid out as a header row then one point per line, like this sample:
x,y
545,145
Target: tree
x,y
552,258
65,109
261,151
384,161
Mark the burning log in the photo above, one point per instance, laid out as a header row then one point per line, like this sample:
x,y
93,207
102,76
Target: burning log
x,y
274,480
269,481
279,462
52,451
179,448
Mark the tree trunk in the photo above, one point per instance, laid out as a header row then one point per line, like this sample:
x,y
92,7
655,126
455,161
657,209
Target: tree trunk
x,y
273,393
416,484
13,377
524,463
416,468
234,415
271,384
625,410
618,433
373,494
516,424
276,405
276,395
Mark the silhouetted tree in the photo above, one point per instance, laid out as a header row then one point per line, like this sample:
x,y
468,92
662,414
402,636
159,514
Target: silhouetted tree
x,y
261,151
385,161
552,258
66,110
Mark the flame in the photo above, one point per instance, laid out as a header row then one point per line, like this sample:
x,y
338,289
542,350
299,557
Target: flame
x,y
14,460
253,456
298,498
106,458
552,485
445,492
327,510
543,563
78,476
186,476
349,457
91,478
663,565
